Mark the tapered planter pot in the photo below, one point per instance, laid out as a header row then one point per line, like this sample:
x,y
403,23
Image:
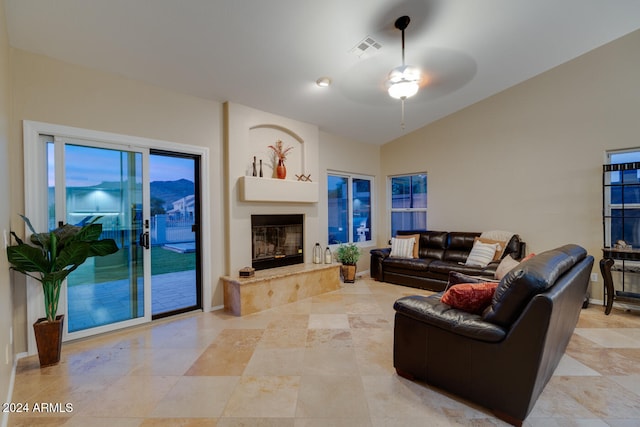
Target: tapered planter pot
x,y
348,273
49,340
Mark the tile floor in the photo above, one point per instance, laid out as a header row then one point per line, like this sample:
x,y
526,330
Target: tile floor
x,y
323,361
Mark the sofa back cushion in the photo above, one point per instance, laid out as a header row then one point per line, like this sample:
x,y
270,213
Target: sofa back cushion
x,y
460,245
433,244
529,278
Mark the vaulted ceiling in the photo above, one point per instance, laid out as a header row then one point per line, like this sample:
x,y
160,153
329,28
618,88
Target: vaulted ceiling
x,y
268,54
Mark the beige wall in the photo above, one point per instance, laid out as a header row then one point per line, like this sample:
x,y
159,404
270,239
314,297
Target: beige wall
x,y
51,91
529,159
6,307
338,154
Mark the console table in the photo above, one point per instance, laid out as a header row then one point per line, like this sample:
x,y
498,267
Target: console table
x,y
607,264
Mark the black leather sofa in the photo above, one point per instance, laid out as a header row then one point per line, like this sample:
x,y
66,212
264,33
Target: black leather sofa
x,y
503,358
439,253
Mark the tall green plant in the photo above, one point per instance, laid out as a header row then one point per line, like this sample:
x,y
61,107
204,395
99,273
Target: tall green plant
x,y
54,255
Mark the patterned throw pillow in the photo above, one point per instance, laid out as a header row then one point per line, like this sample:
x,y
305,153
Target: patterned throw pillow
x,y
470,297
481,254
402,248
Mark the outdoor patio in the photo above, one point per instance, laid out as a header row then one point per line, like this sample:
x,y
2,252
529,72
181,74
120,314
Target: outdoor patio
x,y
109,302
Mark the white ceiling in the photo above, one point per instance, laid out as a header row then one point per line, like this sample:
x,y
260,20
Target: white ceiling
x,y
267,54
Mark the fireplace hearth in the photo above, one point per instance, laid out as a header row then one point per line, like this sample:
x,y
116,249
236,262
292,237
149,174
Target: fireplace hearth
x,y
277,240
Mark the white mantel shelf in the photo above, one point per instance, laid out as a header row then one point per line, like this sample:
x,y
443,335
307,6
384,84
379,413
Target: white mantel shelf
x,y
254,189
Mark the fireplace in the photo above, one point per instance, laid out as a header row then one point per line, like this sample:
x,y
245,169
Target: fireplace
x,y
276,240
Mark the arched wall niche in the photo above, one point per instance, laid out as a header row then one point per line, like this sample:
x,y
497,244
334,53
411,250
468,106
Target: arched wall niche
x,y
261,136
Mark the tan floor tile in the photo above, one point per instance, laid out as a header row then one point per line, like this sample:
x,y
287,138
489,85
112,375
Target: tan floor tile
x,y
331,396
337,338
129,397
368,321
263,396
283,338
329,361
600,395
256,422
276,362
328,321
289,321
196,397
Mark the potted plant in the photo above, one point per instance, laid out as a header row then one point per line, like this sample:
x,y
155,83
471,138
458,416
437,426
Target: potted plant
x,y
348,254
49,259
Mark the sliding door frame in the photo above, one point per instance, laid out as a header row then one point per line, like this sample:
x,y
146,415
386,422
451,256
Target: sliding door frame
x,y
35,187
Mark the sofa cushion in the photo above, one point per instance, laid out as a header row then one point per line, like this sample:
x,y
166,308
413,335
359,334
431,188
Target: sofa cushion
x,y
402,248
470,297
444,267
413,264
481,254
455,278
460,244
529,278
431,310
416,239
433,244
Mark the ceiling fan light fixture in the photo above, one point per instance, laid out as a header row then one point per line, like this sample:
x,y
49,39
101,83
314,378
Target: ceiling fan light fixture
x,y
403,82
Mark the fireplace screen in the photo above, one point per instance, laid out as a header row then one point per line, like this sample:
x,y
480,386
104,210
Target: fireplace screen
x,y
277,240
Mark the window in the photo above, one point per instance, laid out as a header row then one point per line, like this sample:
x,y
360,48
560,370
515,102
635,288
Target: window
x,y
349,201
622,198
408,202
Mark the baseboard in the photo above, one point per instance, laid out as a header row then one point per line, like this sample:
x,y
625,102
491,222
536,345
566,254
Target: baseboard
x,y
620,305
14,368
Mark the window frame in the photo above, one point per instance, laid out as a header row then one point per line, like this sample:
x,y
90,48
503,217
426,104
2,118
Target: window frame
x,y
350,177
608,206
390,207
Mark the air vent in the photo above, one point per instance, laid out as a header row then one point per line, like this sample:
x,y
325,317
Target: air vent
x,y
366,47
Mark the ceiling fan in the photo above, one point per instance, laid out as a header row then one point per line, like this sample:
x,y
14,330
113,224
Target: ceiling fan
x,y
403,81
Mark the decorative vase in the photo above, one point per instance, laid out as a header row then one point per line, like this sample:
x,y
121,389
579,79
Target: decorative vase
x,y
281,170
49,340
348,273
328,258
317,254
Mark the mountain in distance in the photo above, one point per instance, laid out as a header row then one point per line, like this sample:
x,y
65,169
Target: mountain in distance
x,y
170,191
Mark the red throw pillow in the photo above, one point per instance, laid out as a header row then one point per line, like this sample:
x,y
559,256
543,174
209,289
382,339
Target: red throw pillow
x,y
470,297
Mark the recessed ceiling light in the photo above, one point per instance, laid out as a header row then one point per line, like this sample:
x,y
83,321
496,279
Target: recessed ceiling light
x,y
323,82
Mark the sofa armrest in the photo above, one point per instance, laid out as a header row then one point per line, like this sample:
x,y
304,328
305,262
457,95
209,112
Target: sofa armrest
x,y
431,311
375,266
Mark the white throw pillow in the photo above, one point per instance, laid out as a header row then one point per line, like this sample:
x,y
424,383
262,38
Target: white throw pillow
x,y
402,248
506,265
481,254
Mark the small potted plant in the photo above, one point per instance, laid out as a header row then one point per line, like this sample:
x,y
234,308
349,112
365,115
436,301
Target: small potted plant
x,y
348,254
52,257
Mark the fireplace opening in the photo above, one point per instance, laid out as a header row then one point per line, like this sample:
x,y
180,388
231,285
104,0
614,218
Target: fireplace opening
x,y
276,240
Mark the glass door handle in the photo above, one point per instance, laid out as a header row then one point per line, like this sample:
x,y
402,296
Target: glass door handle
x,y
144,240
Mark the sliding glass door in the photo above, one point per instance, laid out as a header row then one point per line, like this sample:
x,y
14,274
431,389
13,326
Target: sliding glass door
x,y
175,233
106,182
